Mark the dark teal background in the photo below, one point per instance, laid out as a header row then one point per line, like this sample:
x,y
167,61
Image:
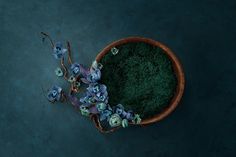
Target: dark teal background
x,y
202,33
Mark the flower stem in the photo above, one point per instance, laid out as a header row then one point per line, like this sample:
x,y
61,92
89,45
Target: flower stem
x,y
65,69
69,53
48,37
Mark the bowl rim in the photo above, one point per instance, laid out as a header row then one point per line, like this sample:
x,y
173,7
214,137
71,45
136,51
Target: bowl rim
x,y
177,66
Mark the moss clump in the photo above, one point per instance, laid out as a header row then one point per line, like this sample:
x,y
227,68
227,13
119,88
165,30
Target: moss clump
x,y
140,77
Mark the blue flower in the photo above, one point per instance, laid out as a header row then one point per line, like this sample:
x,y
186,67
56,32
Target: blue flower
x,y
105,115
93,88
98,91
54,94
59,51
77,84
88,99
129,115
101,106
91,75
75,69
101,97
84,99
119,109
94,75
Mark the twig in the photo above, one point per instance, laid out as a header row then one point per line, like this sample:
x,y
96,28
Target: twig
x,y
48,37
69,53
64,67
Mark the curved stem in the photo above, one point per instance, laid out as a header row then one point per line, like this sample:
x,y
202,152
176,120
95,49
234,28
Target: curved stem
x,y
69,53
48,37
63,97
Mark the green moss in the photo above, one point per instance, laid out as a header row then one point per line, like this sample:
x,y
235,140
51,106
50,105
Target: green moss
x,y
140,77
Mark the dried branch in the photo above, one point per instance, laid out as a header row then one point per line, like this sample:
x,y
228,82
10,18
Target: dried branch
x,y
64,68
69,53
48,37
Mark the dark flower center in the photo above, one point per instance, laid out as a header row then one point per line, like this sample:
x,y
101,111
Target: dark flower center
x,y
58,48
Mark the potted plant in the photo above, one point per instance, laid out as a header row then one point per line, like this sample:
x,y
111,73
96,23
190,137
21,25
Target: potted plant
x,y
133,81
137,50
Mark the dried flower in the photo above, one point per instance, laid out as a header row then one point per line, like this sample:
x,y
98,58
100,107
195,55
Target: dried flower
x,y
93,88
75,69
71,79
84,110
101,97
96,65
85,98
105,115
98,91
54,94
100,66
101,106
119,109
114,51
59,51
59,72
115,120
91,100
94,75
129,115
125,123
137,119
88,99
77,84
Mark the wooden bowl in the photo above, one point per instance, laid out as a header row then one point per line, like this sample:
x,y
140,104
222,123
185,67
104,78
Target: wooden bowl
x,y
176,66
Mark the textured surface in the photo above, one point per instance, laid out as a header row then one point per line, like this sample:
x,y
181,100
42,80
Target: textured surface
x,y
140,77
202,33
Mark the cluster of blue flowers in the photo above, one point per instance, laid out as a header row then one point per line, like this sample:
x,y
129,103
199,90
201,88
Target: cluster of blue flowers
x,y
96,97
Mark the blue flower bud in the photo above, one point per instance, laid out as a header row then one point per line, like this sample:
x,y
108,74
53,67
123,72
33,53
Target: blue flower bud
x,y
54,94
59,51
75,69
